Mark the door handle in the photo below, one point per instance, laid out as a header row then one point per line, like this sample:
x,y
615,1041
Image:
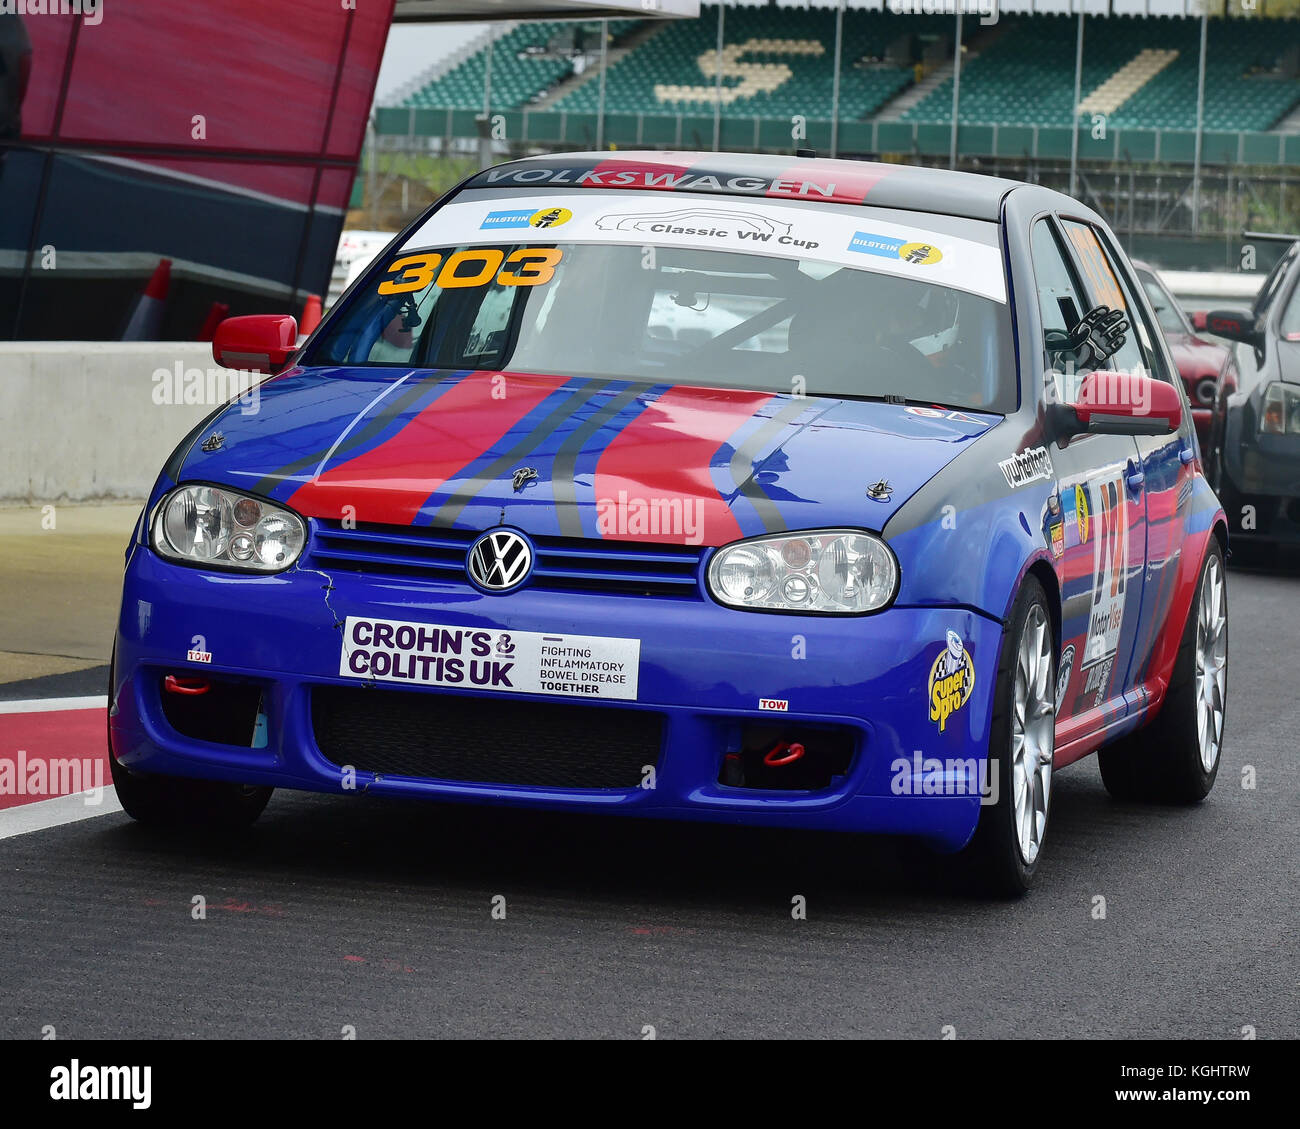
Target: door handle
x,y
1135,478
1186,455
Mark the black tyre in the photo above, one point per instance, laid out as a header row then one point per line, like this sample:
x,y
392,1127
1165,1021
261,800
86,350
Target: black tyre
x,y
1175,758
174,801
1004,854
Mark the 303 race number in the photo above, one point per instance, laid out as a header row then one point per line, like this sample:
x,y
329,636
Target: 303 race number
x,y
474,266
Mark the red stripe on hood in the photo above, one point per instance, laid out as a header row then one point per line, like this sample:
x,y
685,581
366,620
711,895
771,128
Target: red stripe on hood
x,y
851,187
390,483
662,458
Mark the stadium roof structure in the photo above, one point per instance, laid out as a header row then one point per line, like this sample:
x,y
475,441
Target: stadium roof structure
x,y
434,11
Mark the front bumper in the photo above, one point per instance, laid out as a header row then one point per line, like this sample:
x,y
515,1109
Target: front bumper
x,y
1261,483
703,670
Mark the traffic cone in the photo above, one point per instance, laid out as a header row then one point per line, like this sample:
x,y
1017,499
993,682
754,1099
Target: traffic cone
x,y
145,322
216,315
311,315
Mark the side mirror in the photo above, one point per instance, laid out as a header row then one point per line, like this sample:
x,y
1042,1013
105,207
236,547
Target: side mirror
x,y
261,342
1198,320
1122,403
1235,325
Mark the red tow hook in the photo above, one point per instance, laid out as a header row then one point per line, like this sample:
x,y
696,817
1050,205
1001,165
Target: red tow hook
x,y
783,753
186,685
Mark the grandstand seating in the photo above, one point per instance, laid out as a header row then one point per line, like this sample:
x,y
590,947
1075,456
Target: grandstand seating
x,y
519,75
1026,76
777,62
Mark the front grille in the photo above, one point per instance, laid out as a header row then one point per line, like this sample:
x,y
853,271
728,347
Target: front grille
x,y
570,563
433,736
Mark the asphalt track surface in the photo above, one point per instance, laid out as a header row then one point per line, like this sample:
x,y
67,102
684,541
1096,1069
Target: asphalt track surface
x,y
377,915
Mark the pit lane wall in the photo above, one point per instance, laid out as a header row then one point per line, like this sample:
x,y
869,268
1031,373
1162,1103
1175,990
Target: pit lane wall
x,y
85,421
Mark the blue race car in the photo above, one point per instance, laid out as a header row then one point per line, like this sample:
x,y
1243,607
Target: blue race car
x,y
791,492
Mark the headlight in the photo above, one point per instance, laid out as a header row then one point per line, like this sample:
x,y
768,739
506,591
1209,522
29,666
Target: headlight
x,y
1281,414
824,572
211,525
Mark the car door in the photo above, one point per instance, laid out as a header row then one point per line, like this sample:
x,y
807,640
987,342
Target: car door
x,y
1096,524
1168,470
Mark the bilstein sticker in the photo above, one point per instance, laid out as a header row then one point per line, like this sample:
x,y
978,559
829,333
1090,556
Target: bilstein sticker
x,y
525,662
547,217
922,254
952,678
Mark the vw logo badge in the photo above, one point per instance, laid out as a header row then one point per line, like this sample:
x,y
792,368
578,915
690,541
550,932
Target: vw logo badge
x,y
499,560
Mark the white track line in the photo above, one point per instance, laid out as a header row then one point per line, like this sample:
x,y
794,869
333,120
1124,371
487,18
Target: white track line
x,y
44,814
52,705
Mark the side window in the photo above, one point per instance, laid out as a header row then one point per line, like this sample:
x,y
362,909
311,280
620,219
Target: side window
x,y
1105,290
1149,336
1291,318
1273,282
1058,296
1059,299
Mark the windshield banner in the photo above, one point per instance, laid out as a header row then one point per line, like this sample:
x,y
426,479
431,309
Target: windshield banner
x,y
853,239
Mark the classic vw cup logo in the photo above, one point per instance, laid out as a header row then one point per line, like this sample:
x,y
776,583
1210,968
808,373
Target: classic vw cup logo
x,y
499,560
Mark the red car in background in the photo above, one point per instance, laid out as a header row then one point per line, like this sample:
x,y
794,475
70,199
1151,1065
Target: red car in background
x,y
1206,368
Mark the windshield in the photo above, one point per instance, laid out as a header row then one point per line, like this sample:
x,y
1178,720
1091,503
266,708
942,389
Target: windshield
x,y
637,310
1167,314
1291,318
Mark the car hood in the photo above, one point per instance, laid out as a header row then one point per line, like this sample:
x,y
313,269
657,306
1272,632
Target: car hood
x,y
574,457
1195,357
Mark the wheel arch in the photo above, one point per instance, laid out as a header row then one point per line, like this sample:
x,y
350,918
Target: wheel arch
x,y
1042,571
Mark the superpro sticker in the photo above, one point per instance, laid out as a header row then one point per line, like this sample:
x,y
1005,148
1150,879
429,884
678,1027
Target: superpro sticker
x,y
524,662
952,678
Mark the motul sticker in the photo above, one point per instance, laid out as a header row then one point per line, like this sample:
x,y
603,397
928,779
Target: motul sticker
x,y
525,662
